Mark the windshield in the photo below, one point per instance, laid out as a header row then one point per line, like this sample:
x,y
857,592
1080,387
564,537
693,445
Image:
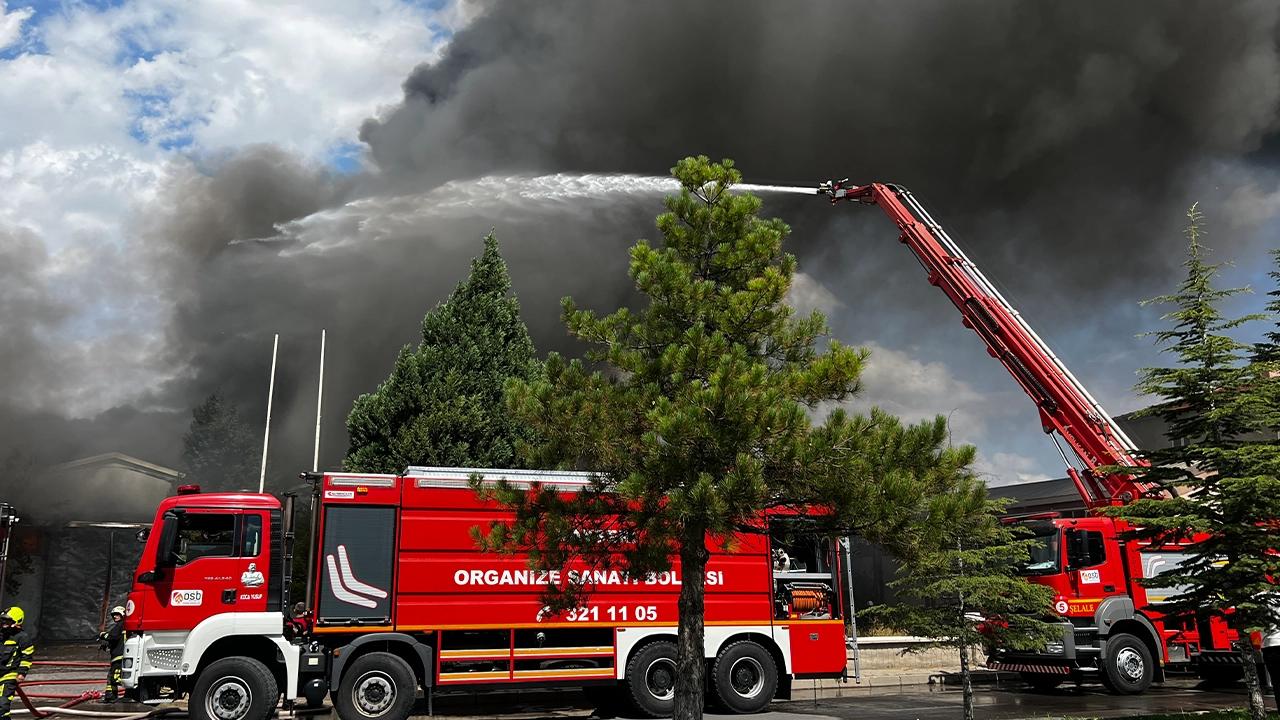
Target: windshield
x,y
1045,551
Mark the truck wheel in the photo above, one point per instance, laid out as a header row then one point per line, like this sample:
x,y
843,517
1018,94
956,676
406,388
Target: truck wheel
x,y
377,685
745,676
1128,668
234,688
651,678
1043,682
1271,656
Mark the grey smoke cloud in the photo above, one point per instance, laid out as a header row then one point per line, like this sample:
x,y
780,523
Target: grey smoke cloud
x,y
1059,142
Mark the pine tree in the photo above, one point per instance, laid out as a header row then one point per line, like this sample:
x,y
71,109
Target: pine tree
x,y
962,587
699,418
442,404
1268,350
219,450
1219,458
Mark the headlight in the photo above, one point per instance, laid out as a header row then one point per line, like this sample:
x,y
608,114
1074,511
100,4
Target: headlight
x,y
1054,648
128,662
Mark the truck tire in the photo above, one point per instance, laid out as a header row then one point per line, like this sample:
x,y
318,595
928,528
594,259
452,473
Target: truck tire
x,y
1271,656
376,686
1128,668
651,679
745,677
234,688
1043,682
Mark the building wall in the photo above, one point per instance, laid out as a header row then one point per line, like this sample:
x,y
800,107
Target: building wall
x,y
78,573
90,570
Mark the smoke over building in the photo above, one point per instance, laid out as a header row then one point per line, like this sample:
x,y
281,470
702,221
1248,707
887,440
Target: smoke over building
x,y
1059,142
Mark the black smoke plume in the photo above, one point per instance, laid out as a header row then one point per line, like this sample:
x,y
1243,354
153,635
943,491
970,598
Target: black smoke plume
x,y
1059,141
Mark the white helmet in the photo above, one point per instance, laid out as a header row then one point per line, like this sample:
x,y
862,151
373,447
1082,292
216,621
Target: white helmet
x,y
118,610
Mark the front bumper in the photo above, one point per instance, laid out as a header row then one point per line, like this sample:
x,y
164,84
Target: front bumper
x,y
131,663
1058,659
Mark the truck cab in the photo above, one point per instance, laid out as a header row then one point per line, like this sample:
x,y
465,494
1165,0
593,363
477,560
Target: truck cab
x,y
213,574
1112,627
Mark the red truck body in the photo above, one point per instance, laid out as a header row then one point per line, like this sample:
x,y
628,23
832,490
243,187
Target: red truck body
x,y
396,570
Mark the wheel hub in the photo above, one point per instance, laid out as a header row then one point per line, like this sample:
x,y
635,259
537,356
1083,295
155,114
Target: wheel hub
x,y
1129,662
746,676
373,694
660,678
229,699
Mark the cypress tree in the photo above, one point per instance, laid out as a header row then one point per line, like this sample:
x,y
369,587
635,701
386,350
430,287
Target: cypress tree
x,y
442,404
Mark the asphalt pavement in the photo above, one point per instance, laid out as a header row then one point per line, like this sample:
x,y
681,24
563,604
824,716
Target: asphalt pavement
x,y
921,702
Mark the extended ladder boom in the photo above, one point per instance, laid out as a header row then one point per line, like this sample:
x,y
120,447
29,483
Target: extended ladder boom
x,y
1066,407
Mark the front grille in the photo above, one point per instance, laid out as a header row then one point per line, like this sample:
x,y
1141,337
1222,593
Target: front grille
x,y
1086,638
165,658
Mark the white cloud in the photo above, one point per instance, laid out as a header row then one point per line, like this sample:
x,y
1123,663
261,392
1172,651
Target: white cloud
x,y
103,107
11,24
1004,468
916,390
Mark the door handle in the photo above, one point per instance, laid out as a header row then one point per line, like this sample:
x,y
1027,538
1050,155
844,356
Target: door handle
x,y
229,596
1108,588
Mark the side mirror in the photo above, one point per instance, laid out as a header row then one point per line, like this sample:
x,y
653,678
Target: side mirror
x,y
142,535
168,534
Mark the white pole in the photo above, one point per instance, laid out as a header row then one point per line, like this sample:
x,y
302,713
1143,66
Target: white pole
x,y
315,457
266,434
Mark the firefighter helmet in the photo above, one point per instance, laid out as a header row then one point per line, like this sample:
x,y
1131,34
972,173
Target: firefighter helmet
x,y
13,615
118,610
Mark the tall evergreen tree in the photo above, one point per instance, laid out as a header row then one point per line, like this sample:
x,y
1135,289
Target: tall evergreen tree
x,y
1227,469
442,404
700,420
1266,375
1268,349
219,449
963,589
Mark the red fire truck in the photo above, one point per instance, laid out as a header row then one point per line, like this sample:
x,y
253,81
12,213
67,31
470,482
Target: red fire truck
x,y
400,599
1112,627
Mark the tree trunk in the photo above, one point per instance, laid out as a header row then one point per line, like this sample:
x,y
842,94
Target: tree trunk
x,y
690,663
1252,683
966,683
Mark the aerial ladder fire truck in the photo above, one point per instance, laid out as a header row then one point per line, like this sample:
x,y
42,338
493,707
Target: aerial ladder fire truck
x,y
1112,628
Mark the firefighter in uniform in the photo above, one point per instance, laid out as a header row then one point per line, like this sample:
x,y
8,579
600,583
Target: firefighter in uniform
x,y
112,640
16,653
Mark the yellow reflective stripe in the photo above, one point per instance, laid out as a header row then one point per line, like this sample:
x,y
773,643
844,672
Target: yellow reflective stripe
x,y
10,641
118,657
9,676
29,650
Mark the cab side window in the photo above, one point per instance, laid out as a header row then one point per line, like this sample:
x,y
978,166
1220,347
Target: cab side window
x,y
250,536
1085,548
205,535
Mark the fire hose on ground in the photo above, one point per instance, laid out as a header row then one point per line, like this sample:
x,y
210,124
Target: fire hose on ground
x,y
72,699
